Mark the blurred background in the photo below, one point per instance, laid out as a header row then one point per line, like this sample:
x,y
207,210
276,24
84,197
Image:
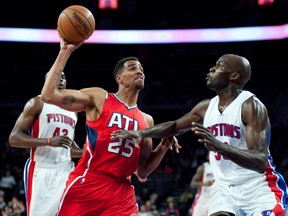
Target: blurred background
x,y
175,76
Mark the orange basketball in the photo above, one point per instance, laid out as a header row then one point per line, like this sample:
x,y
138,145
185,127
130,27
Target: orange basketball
x,y
76,23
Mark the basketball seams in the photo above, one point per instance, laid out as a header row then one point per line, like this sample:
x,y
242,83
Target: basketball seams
x,y
74,26
63,32
83,16
76,23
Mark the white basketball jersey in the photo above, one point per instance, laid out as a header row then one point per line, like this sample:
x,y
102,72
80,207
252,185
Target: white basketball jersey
x,y
229,129
51,122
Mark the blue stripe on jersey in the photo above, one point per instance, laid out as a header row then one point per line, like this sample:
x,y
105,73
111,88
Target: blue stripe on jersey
x,y
269,137
26,172
280,183
92,136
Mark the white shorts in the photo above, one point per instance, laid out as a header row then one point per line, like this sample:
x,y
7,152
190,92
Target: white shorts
x,y
44,184
252,198
200,206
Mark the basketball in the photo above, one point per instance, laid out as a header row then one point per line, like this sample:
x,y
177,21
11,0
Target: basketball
x,y
75,23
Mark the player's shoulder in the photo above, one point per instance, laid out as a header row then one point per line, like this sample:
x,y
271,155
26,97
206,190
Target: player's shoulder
x,y
205,102
36,100
97,95
201,168
148,119
201,107
34,104
253,109
93,90
253,102
146,115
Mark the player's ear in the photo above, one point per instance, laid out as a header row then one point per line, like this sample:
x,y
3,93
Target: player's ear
x,y
235,76
118,78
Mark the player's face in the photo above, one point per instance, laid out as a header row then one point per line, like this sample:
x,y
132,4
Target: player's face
x,y
133,74
219,76
62,82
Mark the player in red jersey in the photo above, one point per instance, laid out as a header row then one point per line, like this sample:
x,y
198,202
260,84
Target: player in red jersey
x,y
100,183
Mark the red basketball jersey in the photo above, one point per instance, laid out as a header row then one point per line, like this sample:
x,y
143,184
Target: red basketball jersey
x,y
116,158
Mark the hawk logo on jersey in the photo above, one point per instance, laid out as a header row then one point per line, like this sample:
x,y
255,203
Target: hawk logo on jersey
x,y
123,122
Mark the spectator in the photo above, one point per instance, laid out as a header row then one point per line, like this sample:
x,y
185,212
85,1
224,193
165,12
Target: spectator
x,y
16,207
171,209
7,184
144,211
3,205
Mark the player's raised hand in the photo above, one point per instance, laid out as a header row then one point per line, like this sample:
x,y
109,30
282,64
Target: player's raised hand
x,y
69,47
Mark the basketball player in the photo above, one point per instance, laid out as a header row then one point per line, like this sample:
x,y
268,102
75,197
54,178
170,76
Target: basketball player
x,y
202,181
236,130
100,183
48,131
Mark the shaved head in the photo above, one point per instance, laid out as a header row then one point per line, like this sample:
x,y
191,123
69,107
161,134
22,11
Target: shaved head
x,y
240,65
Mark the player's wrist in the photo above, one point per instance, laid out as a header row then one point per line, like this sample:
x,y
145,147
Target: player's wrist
x,y
48,142
142,133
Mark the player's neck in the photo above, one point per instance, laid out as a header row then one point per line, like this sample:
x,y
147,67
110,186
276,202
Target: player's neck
x,y
226,99
129,98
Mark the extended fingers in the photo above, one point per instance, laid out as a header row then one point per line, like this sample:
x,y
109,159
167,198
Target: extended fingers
x,y
199,129
174,143
118,134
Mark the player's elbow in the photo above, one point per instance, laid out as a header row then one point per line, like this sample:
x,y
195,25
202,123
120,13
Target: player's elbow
x,y
142,173
263,166
49,99
13,141
45,98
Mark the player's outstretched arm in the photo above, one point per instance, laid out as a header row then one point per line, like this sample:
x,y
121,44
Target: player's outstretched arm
x,y
69,99
170,128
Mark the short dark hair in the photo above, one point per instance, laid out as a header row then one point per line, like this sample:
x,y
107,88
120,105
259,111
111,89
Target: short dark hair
x,y
119,66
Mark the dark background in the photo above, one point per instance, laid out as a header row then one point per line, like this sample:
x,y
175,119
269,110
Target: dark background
x,y
175,73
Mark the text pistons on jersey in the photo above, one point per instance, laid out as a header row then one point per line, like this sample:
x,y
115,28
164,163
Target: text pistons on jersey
x,y
223,129
56,117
